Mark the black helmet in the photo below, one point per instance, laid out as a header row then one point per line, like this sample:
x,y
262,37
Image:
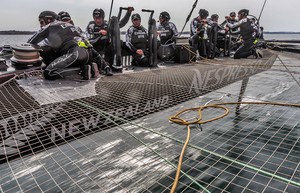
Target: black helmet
x,y
98,13
214,17
203,13
165,15
135,16
232,14
244,12
48,16
64,16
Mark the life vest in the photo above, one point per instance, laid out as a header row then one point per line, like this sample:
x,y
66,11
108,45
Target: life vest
x,y
246,30
93,31
139,37
166,32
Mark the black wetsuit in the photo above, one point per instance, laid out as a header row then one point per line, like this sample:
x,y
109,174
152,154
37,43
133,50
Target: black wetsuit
x,y
199,37
62,37
48,54
137,38
167,35
100,42
215,33
168,32
247,33
125,19
232,21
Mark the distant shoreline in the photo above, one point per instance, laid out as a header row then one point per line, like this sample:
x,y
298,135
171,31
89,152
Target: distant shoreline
x,y
280,32
16,32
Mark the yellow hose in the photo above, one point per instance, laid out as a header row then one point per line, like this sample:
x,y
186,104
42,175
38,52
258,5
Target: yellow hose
x,y
176,119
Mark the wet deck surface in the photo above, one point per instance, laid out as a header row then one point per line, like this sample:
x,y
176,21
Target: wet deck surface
x,y
263,137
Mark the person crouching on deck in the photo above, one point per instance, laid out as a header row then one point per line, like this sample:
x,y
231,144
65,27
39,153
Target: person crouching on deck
x,y
247,32
137,42
65,40
166,29
198,33
98,62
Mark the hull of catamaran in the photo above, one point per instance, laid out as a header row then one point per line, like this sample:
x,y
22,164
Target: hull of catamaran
x,y
112,134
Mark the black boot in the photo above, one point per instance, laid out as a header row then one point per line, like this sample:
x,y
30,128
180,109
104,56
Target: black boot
x,y
86,72
108,71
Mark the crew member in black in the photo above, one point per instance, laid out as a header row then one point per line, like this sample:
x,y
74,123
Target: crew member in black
x,y
97,33
65,17
247,34
65,40
198,32
126,17
261,33
213,23
98,62
167,33
167,30
137,42
230,19
48,54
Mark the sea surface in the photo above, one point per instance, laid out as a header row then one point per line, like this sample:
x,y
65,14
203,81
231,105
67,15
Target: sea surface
x,y
13,39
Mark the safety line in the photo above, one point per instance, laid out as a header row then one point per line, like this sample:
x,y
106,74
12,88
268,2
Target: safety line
x,y
289,71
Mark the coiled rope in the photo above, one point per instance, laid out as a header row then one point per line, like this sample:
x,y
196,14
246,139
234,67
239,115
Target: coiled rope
x,y
289,181
178,120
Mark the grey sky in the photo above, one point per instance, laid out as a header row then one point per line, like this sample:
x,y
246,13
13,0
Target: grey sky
x,y
279,15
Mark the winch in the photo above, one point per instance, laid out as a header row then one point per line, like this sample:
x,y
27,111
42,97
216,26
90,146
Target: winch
x,y
25,56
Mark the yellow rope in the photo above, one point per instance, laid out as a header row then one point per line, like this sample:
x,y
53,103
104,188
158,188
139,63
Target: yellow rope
x,y
180,160
176,119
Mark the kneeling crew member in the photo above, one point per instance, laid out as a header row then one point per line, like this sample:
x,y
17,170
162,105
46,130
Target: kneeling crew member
x,y
63,38
198,32
247,32
167,30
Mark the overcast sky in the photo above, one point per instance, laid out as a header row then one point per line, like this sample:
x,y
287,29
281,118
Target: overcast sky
x,y
279,15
